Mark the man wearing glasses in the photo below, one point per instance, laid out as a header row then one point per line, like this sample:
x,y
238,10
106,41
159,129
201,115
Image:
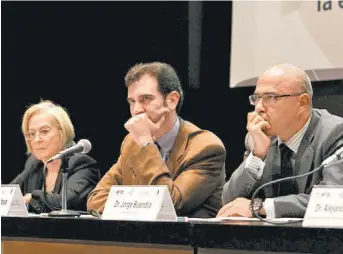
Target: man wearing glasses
x,y
289,137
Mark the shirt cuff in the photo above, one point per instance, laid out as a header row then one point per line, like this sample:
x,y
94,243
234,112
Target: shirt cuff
x,y
255,166
268,206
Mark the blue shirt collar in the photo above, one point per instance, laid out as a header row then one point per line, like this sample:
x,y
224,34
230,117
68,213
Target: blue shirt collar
x,y
167,141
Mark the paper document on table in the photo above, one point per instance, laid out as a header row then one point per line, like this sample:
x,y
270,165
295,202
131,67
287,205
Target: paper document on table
x,y
223,219
46,215
219,219
286,219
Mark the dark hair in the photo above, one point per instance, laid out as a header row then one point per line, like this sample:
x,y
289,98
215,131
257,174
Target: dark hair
x,y
166,77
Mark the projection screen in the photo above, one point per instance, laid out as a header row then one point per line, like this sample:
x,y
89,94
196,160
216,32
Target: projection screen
x,y
308,34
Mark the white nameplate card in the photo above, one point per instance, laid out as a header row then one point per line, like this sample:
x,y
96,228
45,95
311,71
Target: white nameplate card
x,y
325,207
139,203
12,201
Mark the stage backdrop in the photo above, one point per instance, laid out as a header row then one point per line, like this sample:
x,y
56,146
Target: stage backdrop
x,y
77,54
305,33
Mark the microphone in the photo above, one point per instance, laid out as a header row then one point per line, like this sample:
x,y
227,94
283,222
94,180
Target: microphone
x,y
83,146
338,155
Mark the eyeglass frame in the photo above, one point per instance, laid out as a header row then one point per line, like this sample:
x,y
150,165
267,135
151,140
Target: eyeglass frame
x,y
272,96
39,132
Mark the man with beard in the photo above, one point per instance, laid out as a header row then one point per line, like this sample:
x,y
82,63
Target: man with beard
x,y
163,149
289,137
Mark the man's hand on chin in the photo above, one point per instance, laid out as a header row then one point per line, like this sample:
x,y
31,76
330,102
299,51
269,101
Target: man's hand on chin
x,y
139,128
237,207
142,129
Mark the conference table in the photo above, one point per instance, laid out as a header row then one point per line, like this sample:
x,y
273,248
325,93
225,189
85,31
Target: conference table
x,y
43,234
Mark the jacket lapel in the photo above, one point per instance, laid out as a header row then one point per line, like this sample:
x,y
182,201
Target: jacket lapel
x,y
36,176
36,180
58,184
304,156
178,149
272,170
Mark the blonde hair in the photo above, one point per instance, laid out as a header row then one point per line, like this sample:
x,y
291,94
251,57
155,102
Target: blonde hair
x,y
55,110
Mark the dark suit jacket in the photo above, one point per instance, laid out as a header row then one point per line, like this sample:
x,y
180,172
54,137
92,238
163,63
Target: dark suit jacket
x,y
83,175
323,137
194,172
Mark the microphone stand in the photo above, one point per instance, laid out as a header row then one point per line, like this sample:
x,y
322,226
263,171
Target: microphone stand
x,y
64,212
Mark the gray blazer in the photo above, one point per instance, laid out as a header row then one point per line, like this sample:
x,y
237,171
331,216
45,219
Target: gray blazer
x,y
323,137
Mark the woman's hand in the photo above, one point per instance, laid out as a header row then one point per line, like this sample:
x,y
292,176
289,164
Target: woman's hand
x,y
27,198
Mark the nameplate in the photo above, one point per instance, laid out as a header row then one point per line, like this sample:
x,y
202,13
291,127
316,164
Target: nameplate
x,y
12,201
139,203
325,207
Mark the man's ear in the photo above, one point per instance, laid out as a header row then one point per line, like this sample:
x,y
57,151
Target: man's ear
x,y
172,100
305,100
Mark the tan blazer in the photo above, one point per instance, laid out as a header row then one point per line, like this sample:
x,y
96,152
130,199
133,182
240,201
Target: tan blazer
x,y
194,172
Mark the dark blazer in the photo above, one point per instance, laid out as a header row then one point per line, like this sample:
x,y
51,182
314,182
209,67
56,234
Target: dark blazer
x,y
194,172
323,137
83,175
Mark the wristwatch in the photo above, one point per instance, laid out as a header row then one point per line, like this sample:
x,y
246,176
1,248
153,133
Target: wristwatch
x,y
146,144
256,205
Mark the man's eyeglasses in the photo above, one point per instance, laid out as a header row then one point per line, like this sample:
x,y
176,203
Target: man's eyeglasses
x,y
42,133
268,98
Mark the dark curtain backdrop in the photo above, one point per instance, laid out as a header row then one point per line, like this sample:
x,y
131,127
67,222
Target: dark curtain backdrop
x,y
77,54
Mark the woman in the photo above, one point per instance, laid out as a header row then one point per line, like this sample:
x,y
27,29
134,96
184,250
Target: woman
x,y
48,130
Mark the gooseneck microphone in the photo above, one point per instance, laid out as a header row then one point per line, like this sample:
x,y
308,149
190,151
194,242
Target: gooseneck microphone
x,y
83,146
335,157
338,155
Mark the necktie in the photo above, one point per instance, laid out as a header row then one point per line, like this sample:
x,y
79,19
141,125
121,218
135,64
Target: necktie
x,y
163,155
286,187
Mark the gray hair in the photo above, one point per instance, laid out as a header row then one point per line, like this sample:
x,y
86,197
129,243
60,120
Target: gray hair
x,y
307,85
